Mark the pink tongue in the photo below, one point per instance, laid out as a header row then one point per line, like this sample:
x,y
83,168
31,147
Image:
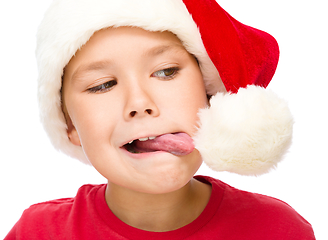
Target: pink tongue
x,y
177,144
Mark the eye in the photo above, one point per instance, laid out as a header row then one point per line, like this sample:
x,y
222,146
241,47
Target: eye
x,y
167,73
103,87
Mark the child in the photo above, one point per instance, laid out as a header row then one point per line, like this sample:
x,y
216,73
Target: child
x,y
121,84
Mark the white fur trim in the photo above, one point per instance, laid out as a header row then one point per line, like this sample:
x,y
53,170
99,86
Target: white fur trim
x,y
69,24
246,133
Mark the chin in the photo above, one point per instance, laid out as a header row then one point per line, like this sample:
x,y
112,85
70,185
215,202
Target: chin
x,y
173,179
164,187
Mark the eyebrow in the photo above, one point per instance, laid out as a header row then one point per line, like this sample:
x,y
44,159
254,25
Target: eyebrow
x,y
99,65
94,66
157,50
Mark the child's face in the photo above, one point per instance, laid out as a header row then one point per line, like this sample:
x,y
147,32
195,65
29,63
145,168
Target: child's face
x,y
125,84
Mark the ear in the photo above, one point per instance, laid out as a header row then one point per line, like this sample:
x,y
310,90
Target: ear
x,y
72,132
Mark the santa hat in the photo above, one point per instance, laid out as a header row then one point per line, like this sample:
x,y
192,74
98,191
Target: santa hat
x,y
246,130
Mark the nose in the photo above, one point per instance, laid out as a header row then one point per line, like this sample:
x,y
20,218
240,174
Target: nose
x,y
140,103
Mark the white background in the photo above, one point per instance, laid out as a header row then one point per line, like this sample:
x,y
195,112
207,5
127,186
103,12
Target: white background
x,y
32,171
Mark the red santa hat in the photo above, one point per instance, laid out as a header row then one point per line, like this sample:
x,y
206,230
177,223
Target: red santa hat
x,y
246,130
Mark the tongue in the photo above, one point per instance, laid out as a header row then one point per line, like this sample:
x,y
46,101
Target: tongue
x,y
177,144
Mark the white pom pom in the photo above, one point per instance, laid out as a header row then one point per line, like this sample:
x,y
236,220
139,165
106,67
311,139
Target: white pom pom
x,y
246,133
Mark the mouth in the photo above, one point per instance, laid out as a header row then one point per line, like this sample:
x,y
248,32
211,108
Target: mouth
x,y
134,146
175,143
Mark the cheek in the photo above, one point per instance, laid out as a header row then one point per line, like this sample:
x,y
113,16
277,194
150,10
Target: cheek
x,y
94,120
189,97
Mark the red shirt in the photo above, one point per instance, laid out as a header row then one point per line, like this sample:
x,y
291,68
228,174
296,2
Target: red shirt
x,y
229,214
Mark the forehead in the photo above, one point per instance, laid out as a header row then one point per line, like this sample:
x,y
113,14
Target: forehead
x,y
134,41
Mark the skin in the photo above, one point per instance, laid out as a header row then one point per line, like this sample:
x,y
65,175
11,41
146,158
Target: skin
x,y
125,84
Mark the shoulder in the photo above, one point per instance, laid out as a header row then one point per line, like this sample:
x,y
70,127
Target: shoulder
x,y
262,214
63,204
53,216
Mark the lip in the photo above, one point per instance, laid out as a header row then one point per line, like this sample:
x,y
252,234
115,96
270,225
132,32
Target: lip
x,y
142,136
145,154
141,155
150,135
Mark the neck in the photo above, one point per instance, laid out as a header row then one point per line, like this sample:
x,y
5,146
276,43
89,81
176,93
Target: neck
x,y
158,212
